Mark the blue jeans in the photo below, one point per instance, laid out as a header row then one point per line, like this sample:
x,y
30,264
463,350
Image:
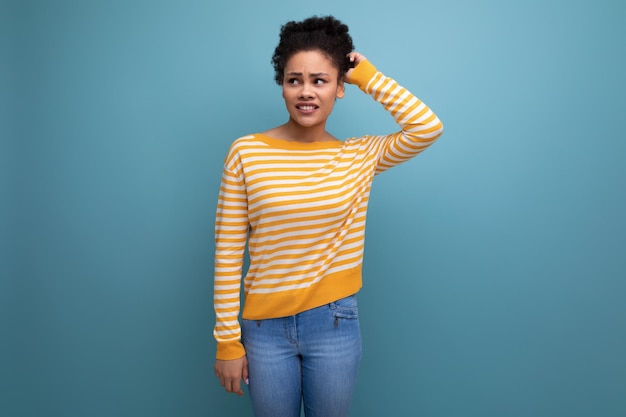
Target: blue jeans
x,y
311,358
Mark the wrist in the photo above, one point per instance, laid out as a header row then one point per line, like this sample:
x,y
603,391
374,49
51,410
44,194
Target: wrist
x,y
362,73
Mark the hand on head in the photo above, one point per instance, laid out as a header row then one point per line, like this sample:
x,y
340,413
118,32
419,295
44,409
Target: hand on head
x,y
355,58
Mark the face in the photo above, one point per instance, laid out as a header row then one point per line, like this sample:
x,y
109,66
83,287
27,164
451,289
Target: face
x,y
310,86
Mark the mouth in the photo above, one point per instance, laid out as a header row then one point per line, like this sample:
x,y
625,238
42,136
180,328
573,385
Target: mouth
x,y
306,107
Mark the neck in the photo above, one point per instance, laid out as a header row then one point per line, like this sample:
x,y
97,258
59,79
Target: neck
x,y
298,133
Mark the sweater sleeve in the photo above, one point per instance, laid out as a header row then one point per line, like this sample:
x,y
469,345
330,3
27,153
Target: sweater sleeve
x,y
231,229
420,127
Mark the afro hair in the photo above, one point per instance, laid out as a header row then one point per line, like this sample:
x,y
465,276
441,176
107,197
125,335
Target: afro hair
x,y
324,34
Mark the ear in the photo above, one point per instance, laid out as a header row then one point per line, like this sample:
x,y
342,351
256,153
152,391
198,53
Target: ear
x,y
341,90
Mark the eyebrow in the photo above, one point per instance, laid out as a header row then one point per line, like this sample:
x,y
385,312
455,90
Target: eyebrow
x,y
317,74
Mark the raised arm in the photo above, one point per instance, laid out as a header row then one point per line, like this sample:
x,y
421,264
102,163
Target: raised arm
x,y
420,127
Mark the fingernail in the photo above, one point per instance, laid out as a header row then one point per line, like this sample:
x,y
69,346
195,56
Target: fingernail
x,y
247,381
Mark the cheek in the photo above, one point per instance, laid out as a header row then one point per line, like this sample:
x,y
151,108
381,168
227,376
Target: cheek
x,y
287,93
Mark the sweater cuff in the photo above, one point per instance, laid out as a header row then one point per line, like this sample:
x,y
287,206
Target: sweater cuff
x,y
362,74
230,350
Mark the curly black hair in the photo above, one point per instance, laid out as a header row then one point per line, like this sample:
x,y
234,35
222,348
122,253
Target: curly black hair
x,y
324,34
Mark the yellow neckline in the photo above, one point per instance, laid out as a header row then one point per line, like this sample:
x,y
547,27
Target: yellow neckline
x,y
286,144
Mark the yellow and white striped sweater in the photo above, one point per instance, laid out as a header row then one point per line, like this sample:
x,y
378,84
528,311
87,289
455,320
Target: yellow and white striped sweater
x,y
303,206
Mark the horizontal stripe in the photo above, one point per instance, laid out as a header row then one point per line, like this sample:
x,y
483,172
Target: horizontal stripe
x,y
300,209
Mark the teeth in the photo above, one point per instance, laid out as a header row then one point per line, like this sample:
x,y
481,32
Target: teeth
x,y
306,107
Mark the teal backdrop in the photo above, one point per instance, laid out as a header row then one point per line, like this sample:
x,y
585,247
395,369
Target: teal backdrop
x,y
495,271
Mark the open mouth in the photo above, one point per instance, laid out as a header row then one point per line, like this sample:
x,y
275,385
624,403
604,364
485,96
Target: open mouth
x,y
307,107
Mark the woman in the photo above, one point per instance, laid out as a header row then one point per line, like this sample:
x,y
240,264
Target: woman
x,y
298,197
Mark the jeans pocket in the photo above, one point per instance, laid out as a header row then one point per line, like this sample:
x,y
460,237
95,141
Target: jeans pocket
x,y
345,308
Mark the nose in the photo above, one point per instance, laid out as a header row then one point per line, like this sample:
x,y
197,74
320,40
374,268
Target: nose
x,y
306,91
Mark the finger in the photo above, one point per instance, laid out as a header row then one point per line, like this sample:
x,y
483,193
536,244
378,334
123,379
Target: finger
x,y
233,386
228,385
236,387
244,374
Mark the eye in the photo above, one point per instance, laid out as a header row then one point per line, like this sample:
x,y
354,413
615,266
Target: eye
x,y
319,81
293,81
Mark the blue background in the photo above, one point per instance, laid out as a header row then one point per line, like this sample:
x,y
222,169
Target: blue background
x,y
495,271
